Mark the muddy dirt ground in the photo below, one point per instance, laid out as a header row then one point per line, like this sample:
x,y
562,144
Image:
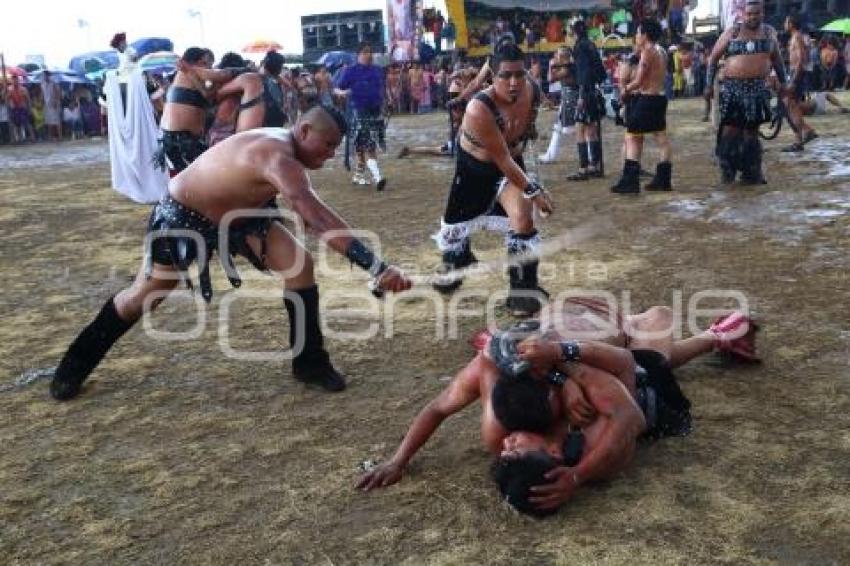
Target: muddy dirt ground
x,y
176,453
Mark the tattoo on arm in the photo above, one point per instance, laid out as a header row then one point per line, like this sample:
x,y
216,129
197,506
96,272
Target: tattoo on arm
x,y
472,139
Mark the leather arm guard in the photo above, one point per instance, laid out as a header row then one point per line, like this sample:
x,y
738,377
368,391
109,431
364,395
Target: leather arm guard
x,y
365,258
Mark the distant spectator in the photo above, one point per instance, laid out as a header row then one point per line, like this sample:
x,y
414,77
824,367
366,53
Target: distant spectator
x,y
19,112
52,94
72,119
847,63
5,129
37,117
829,64
554,29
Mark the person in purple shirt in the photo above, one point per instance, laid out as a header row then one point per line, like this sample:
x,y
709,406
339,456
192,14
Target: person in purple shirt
x,y
363,83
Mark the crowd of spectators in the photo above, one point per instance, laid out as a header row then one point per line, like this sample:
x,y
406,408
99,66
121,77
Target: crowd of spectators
x,y
47,111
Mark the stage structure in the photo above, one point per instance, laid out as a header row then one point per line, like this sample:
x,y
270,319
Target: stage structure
x,y
341,31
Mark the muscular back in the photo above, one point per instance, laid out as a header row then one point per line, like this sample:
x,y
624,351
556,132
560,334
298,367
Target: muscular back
x,y
652,70
231,175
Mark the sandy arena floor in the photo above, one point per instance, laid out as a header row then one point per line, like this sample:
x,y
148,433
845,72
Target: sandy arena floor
x,y
176,453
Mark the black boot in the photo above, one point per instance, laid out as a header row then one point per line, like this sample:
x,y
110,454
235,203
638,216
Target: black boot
x,y
311,365
525,297
629,183
751,161
663,178
583,162
728,157
595,159
451,261
86,351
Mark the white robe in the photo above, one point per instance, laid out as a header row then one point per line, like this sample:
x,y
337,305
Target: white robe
x,y
133,139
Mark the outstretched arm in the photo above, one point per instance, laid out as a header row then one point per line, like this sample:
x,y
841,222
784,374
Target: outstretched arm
x,y
291,181
462,391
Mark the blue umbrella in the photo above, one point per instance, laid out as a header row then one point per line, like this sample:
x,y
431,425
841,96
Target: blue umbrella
x,y
333,59
84,62
61,76
147,45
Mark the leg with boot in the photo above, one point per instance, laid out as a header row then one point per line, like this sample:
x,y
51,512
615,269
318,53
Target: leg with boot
x,y
594,149
751,158
629,182
525,297
664,169
728,153
116,317
583,154
287,258
455,246
359,175
554,144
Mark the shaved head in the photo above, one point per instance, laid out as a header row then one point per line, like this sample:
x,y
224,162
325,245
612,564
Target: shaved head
x,y
325,117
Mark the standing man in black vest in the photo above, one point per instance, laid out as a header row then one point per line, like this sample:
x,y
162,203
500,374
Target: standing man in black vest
x,y
490,188
590,107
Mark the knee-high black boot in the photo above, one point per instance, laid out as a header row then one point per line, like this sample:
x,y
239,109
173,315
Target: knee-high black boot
x,y
311,363
629,183
583,162
751,153
663,178
87,350
728,151
454,260
525,297
596,158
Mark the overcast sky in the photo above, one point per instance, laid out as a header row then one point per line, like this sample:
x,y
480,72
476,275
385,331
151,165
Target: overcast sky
x,y
50,27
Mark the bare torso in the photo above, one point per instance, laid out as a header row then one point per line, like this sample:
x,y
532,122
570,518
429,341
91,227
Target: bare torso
x,y
797,53
178,117
746,66
655,59
517,118
229,176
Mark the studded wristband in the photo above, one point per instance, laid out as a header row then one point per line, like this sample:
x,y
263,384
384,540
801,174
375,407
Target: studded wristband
x,y
557,378
532,189
570,351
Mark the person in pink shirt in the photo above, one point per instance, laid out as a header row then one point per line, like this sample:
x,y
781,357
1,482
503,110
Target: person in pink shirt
x,y
427,84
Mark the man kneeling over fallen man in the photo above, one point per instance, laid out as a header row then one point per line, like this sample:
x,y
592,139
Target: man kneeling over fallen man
x,y
560,413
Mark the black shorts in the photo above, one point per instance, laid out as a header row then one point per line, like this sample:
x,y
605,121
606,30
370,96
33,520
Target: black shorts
x,y
177,150
475,187
647,114
175,233
667,410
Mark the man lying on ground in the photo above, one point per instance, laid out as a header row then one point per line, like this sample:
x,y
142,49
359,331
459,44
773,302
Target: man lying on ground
x,y
559,413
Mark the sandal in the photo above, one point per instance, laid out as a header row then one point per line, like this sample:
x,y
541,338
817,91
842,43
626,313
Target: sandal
x,y
735,336
578,176
795,147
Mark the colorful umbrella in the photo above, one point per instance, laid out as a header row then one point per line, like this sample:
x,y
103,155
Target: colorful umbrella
x,y
262,46
839,26
12,71
159,62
